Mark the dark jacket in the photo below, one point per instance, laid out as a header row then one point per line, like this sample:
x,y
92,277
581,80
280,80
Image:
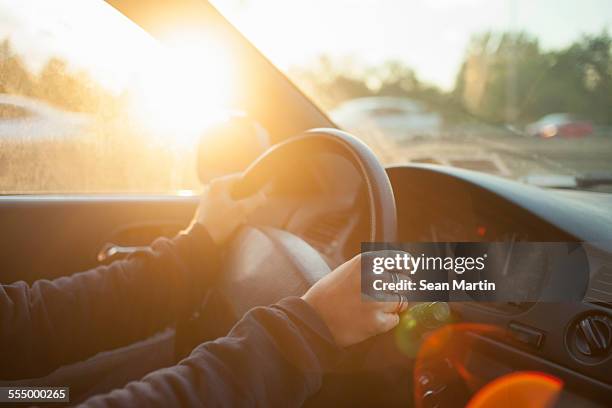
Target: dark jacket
x,y
274,356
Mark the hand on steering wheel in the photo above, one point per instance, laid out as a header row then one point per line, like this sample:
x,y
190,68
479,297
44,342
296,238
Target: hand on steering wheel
x,y
351,317
220,213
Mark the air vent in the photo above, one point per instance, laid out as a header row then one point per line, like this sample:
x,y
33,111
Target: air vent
x,y
324,233
600,288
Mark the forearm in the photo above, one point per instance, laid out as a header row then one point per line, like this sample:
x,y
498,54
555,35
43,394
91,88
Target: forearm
x,y
68,319
274,356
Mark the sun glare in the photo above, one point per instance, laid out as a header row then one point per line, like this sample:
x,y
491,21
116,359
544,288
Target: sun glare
x,y
184,88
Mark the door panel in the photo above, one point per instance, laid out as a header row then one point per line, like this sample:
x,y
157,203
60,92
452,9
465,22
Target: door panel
x,y
52,236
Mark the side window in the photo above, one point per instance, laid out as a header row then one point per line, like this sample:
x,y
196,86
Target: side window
x,y
88,109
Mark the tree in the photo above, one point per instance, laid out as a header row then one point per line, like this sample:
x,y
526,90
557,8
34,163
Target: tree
x,y
14,75
578,81
498,71
329,82
396,78
56,84
507,78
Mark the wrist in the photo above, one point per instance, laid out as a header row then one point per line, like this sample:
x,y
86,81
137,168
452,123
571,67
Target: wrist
x,y
214,233
299,306
316,309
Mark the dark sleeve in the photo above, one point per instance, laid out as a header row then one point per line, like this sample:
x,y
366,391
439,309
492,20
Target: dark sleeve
x,y
57,322
274,357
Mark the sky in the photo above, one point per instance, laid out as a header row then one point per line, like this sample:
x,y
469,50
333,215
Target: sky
x,y
169,85
429,35
90,34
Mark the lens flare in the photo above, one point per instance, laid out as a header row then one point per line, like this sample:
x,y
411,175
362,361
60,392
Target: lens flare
x,y
416,322
453,345
521,389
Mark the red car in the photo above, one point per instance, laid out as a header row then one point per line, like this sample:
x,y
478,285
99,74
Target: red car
x,y
560,125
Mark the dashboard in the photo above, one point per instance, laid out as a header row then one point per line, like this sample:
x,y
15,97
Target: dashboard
x,y
442,204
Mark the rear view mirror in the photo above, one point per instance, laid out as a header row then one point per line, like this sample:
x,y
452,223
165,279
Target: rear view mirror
x,y
230,147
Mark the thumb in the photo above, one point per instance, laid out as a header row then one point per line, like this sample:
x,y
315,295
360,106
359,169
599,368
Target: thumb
x,y
253,202
224,183
386,321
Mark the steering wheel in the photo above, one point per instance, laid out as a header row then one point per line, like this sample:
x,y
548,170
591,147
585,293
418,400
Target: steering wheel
x,y
264,264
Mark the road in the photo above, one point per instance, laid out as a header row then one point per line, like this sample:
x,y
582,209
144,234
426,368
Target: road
x,y
505,154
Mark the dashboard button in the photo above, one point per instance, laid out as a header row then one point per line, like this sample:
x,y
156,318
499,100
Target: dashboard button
x,y
526,335
593,335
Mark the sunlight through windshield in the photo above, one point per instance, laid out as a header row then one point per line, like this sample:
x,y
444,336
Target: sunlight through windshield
x,y
521,89
84,88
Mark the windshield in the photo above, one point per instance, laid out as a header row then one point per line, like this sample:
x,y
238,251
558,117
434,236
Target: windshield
x,y
521,89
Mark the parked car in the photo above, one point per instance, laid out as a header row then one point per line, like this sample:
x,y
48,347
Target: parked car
x,y
401,118
24,117
560,125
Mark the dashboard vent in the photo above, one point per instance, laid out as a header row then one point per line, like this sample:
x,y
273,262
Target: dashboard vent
x,y
323,234
600,288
